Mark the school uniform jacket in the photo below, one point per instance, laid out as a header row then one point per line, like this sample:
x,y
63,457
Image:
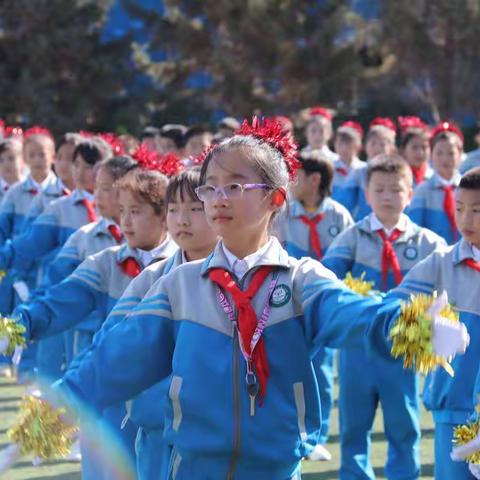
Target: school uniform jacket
x,y
180,329
352,194
294,234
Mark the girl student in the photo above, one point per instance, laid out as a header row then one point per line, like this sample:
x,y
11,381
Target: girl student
x,y
188,227
101,279
236,331
415,147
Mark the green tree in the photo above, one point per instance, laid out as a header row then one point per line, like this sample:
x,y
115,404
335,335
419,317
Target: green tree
x,y
56,70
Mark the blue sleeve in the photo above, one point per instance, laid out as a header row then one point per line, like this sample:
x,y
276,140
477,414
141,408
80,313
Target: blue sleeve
x,y
21,252
337,317
347,195
340,254
132,356
64,305
416,211
63,265
7,212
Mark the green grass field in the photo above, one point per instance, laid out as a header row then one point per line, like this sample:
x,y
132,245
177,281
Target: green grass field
x,y
10,396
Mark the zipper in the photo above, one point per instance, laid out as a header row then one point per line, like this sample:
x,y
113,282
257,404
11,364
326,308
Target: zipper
x,y
236,406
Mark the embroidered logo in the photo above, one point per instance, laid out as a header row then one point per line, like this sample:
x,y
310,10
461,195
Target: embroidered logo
x,y
280,296
334,230
410,253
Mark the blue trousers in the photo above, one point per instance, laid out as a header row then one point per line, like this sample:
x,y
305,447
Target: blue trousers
x,y
323,366
445,468
364,383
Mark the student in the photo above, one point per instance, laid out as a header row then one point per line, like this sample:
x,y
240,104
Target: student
x,y
383,246
348,143
101,279
313,221
11,164
415,147
318,132
269,418
433,204
171,139
196,140
454,269
187,226
380,139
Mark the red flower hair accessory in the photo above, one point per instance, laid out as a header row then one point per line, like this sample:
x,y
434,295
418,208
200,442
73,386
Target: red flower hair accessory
x,y
117,146
11,131
352,128
168,164
383,122
272,132
447,127
321,112
411,123
37,130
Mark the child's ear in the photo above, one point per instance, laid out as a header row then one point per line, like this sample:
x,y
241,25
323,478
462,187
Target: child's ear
x,y
279,197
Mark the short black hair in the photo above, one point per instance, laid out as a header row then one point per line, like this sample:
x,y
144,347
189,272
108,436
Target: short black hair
x,y
92,150
117,166
317,163
150,132
194,131
10,144
174,132
392,163
184,184
470,179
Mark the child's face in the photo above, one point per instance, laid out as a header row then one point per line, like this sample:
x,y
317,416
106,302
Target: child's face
x,y
417,151
64,163
318,132
11,165
106,197
467,214
197,144
39,154
83,174
446,157
188,226
378,144
305,185
245,215
388,194
346,148
142,227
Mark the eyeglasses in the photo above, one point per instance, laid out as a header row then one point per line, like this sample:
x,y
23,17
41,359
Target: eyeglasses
x,y
207,193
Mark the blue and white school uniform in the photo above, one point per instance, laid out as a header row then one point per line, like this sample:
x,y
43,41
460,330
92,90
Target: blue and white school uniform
x,y
366,379
352,193
341,170
190,338
450,399
95,285
294,235
471,161
427,207
325,151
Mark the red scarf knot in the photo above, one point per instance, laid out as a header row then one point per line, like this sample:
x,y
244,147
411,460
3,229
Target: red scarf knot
x,y
389,257
131,267
313,233
247,318
116,233
89,206
470,262
449,208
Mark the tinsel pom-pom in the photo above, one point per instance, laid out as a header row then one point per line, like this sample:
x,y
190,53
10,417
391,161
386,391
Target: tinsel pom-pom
x,y
466,433
3,274
13,332
412,335
358,285
41,430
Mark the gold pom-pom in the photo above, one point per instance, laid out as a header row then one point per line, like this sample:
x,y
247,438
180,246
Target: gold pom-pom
x,y
14,332
41,430
358,285
464,434
3,274
412,335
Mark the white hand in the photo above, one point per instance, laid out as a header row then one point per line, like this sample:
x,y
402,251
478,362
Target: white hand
x,y
461,453
449,338
4,343
474,469
9,456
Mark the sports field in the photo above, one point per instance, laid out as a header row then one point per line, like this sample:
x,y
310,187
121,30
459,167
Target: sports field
x,y
10,396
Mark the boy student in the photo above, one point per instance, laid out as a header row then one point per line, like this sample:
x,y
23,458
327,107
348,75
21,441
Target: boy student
x,y
455,269
312,223
433,205
348,143
383,246
196,140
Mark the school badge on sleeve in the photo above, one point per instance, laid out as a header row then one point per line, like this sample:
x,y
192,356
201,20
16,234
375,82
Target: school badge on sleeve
x,y
410,253
280,296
